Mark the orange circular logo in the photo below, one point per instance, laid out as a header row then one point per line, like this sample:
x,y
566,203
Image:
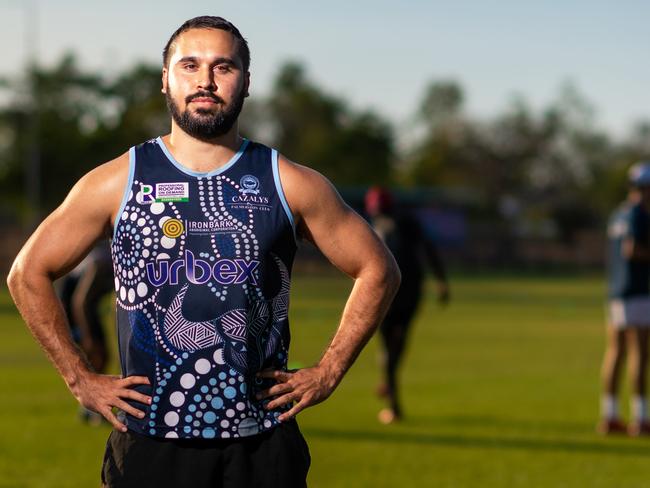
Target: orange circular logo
x,y
172,228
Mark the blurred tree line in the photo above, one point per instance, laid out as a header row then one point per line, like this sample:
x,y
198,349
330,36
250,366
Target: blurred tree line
x,y
549,165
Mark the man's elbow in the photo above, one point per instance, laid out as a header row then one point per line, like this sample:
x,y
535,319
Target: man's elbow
x,y
14,278
392,276
19,277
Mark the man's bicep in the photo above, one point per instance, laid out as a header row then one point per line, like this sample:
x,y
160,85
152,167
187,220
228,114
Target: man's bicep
x,y
340,233
351,244
328,222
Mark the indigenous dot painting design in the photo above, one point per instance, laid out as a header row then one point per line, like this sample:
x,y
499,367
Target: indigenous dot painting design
x,y
174,258
138,238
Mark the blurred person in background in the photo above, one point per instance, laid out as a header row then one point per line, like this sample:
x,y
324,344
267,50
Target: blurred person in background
x,y
81,292
629,306
204,226
405,238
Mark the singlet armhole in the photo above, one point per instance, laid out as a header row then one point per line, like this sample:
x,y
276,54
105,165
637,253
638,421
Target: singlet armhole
x,y
127,189
278,186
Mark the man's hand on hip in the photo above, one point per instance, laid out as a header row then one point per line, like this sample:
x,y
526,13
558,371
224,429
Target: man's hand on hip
x,y
306,387
101,393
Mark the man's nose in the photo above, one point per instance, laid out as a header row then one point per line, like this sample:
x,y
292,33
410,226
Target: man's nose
x,y
206,79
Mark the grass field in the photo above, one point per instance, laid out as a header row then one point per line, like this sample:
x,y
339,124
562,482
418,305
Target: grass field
x,y
500,390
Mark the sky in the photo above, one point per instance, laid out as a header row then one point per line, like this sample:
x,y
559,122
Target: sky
x,y
377,54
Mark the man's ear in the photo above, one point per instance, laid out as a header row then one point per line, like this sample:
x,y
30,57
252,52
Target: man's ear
x,y
165,75
247,83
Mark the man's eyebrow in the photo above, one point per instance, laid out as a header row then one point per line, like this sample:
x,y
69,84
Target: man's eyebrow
x,y
219,60
187,59
224,60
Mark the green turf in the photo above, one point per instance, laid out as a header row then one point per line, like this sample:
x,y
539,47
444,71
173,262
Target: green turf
x,y
500,390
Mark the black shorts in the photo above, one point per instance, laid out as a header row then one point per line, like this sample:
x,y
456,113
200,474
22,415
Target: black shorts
x,y
276,458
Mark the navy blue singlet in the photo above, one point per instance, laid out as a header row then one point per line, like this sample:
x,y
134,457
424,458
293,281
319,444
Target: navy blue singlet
x,y
628,277
202,266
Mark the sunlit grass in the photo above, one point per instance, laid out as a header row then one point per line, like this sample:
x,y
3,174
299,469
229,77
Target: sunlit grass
x,y
500,390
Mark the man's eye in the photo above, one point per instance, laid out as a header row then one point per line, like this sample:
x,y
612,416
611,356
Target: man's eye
x,y
223,68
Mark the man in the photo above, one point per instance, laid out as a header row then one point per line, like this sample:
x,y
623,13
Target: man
x,y
405,238
81,292
629,305
203,227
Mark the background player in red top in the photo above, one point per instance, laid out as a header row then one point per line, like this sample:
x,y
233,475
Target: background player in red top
x,y
404,236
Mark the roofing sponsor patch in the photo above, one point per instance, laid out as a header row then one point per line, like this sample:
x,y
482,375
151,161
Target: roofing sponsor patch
x,y
172,192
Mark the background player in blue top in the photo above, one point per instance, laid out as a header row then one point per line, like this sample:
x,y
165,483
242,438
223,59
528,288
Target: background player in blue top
x,y
629,305
218,236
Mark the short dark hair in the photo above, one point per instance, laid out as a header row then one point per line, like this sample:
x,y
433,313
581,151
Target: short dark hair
x,y
210,22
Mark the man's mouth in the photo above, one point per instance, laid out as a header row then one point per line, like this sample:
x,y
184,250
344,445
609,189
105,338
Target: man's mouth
x,y
208,100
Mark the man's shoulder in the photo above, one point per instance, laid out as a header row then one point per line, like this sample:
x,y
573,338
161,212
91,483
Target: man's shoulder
x,y
629,219
148,146
113,168
301,169
106,178
307,191
299,176
637,215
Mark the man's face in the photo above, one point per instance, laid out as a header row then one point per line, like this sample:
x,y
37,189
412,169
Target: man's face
x,y
204,83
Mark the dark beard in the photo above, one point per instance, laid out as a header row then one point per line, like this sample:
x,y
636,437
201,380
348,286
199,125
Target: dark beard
x,y
206,125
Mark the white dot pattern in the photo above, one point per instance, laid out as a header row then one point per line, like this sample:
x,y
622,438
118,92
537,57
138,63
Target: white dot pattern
x,y
200,388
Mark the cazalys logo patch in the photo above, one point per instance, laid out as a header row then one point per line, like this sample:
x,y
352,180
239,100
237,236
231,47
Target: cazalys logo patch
x,y
249,197
249,184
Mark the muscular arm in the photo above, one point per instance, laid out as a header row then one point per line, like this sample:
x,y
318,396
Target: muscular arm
x,y
57,246
351,245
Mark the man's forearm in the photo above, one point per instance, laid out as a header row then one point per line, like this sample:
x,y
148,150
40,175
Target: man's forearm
x,y
45,318
367,304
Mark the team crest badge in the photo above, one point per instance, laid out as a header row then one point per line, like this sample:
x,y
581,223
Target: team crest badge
x,y
249,184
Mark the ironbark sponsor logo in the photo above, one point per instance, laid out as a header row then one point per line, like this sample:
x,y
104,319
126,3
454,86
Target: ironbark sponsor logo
x,y
210,227
198,271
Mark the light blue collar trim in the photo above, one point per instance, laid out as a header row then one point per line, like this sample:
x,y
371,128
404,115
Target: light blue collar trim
x,y
217,171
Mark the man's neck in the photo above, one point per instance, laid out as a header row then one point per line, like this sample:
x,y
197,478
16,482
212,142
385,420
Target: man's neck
x,y
202,156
